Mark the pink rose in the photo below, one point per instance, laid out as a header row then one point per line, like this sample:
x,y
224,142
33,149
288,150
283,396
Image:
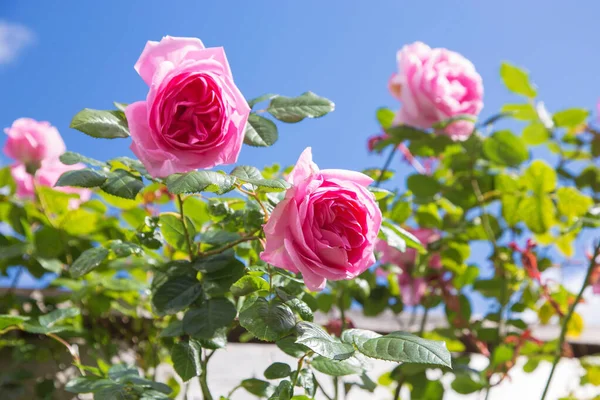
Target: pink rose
x,y
325,227
435,85
47,175
412,288
30,141
194,116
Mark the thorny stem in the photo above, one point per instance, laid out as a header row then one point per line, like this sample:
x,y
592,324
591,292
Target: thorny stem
x,y
185,229
565,323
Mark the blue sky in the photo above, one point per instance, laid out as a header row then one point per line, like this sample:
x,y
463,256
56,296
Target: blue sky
x,y
80,54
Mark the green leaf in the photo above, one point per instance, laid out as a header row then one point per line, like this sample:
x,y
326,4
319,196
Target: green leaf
x,y
101,124
186,359
172,229
329,367
117,391
523,112
405,347
87,261
539,177
295,109
121,372
71,158
357,337
200,181
35,327
385,117
400,212
252,175
122,183
423,185
58,315
206,320
249,284
517,80
266,320
220,272
218,341
289,346
277,370
87,178
504,148
11,320
572,203
318,340
570,118
48,242
260,131
260,99
284,392
174,329
87,384
177,293
55,202
301,308
400,238
120,106
258,387
464,384
535,133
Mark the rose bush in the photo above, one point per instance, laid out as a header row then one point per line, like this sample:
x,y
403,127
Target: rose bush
x,y
150,270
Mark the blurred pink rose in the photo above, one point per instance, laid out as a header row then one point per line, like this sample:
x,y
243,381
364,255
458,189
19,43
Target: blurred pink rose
x,y
47,175
435,85
325,227
412,288
30,141
194,116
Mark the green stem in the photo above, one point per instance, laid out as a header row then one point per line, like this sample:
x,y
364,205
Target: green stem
x,y
397,391
203,378
298,369
322,390
336,388
386,166
229,245
185,229
487,392
501,271
71,350
423,322
233,391
565,323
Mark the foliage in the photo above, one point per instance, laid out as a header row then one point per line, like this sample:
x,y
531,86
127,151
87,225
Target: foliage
x,y
171,267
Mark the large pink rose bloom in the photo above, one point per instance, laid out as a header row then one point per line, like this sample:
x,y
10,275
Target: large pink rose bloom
x,y
194,116
412,288
30,141
435,85
325,227
47,175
